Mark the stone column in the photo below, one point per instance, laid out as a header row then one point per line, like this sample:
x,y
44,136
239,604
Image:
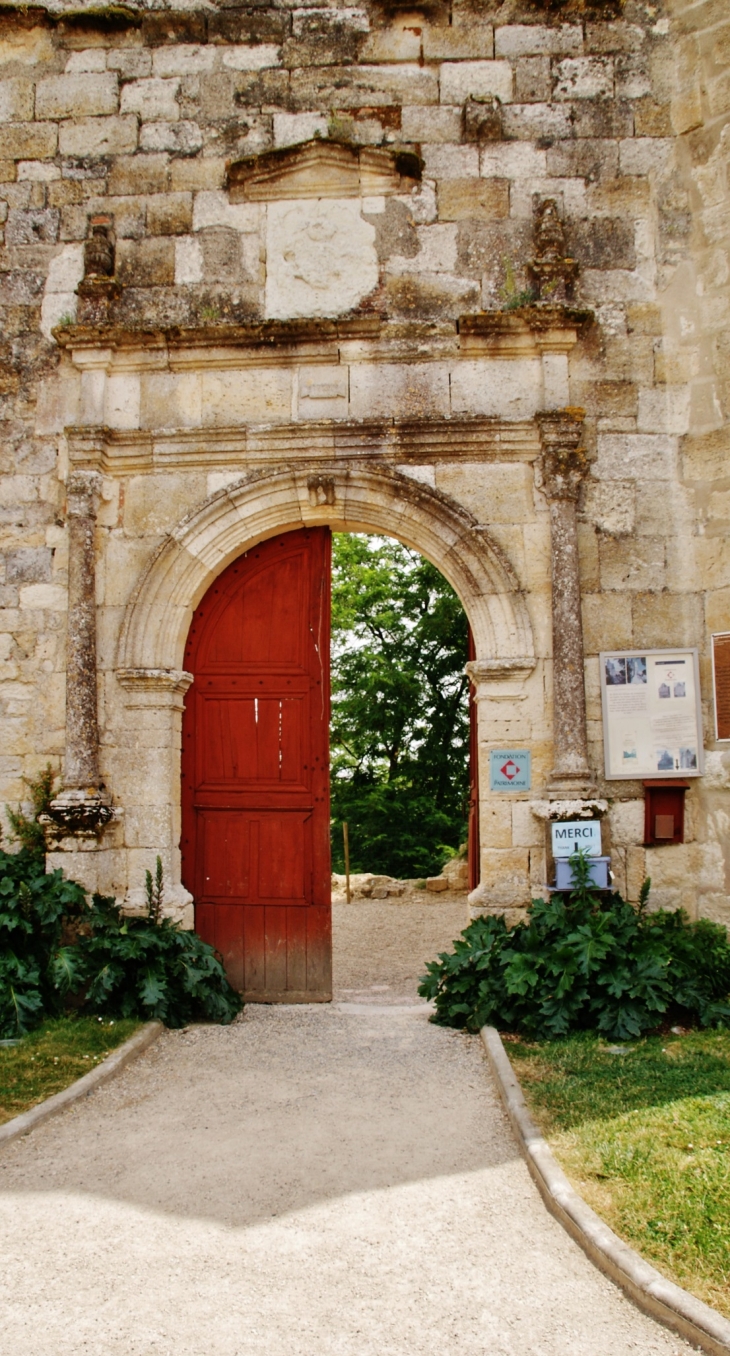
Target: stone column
x,y
81,764
564,464
147,781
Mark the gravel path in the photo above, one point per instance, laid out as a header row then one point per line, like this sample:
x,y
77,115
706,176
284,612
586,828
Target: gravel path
x,y
315,1181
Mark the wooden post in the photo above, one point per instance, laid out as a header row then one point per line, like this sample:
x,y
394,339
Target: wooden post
x,y
346,841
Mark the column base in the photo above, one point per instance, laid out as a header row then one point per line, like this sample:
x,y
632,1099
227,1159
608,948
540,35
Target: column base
x,y
564,785
78,813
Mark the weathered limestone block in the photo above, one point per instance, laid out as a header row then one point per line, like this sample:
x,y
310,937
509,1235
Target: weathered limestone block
x,y
467,199
495,822
403,390
252,395
87,94
423,124
154,503
98,136
183,59
151,99
626,820
322,392
146,263
139,174
16,99
510,388
504,880
445,44
28,140
532,80
462,79
517,40
321,258
494,494
182,137
584,78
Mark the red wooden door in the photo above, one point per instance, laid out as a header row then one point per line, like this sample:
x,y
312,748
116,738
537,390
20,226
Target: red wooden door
x,y
255,828
473,834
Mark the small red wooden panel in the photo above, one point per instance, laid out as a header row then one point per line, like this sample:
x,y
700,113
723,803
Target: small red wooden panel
x,y
251,739
255,841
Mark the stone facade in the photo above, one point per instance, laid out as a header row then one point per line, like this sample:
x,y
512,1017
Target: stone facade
x,y
460,273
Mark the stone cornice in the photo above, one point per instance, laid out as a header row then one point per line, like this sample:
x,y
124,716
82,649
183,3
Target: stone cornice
x,y
322,169
417,441
530,332
538,328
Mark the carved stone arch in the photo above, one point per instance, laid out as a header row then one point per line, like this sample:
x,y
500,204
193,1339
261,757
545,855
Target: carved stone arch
x,y
347,497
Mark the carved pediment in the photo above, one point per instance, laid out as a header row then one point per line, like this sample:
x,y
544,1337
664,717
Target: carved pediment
x,y
322,169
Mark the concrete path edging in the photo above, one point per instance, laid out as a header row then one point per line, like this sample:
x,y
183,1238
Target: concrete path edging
x,y
109,1067
649,1290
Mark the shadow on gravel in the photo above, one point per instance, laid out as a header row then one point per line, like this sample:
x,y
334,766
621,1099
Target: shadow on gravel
x,y
287,1108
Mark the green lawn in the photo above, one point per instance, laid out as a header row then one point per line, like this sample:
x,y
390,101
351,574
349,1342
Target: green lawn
x,y
643,1132
53,1056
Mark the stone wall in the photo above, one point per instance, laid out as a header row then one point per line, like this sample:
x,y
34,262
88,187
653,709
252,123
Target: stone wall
x,y
230,343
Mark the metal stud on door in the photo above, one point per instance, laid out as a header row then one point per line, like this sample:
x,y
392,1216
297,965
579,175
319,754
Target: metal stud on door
x,y
255,840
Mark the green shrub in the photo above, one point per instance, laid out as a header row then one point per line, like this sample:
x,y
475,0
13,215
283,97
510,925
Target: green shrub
x,y
148,967
57,949
35,909
27,830
583,961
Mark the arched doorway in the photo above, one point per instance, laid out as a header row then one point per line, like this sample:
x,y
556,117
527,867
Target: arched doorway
x,y
349,496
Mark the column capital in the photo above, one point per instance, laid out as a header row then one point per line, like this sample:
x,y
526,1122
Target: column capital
x,y
499,679
155,687
564,462
83,491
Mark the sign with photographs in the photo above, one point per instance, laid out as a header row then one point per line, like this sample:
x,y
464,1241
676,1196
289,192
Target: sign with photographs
x,y
652,723
721,683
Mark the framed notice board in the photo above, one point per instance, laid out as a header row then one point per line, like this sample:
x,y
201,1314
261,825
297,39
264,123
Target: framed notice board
x,y
721,683
652,721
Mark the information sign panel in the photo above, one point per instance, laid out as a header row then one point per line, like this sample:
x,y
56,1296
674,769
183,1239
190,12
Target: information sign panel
x,y
721,683
510,770
652,723
570,835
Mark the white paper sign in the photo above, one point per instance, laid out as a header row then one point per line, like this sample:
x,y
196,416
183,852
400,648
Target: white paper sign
x,y
574,834
652,723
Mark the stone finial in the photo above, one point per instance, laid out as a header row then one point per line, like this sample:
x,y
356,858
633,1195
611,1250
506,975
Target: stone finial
x,y
564,461
551,269
98,287
99,249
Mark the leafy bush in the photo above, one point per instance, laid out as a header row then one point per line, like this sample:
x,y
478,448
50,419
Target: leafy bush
x,y
583,961
56,949
143,967
27,830
35,908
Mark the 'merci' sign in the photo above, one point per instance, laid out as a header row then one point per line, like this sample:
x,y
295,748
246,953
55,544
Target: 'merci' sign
x,y
575,834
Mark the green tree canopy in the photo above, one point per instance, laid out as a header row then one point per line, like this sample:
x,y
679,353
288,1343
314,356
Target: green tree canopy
x,y
400,723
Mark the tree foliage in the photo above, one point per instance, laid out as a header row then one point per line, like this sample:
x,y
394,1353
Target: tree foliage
x,y
400,730
583,961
